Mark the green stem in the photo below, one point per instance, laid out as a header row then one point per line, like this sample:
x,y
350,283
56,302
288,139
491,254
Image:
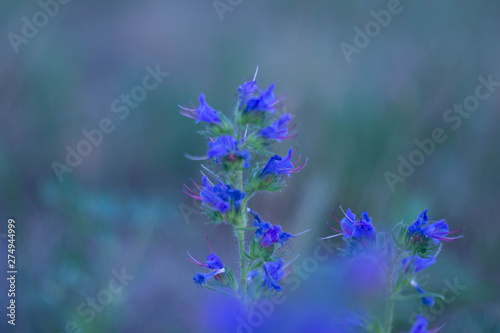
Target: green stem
x,y
390,300
240,235
390,293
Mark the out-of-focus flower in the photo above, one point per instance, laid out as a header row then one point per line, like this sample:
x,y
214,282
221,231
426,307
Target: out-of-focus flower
x,y
226,147
278,130
428,300
416,263
278,165
273,272
361,229
420,326
202,113
262,102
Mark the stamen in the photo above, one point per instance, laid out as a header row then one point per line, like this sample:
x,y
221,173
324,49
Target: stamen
x,y
331,236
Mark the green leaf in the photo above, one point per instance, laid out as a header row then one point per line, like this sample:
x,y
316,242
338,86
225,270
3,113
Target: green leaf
x,y
217,290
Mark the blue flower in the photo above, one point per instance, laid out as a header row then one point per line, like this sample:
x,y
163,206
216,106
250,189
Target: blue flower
x,y
218,197
263,102
273,272
429,301
269,234
420,326
419,223
226,147
436,231
278,129
416,263
202,113
361,229
200,278
246,91
213,262
278,165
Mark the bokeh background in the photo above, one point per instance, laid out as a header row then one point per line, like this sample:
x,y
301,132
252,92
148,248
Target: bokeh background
x,y
121,208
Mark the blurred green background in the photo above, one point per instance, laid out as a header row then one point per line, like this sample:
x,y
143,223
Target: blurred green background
x,y
120,208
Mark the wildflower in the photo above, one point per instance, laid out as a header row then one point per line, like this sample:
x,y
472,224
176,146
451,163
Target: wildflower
x,y
200,278
264,102
270,234
278,165
202,113
247,90
416,263
226,147
361,229
213,262
420,326
273,272
429,300
278,130
436,231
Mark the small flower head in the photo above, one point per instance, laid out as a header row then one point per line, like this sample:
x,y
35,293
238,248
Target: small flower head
x,y
246,91
437,231
263,101
278,130
278,165
213,262
202,113
225,149
219,197
269,234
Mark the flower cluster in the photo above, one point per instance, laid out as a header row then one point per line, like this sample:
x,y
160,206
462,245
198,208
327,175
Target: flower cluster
x,y
415,247
241,163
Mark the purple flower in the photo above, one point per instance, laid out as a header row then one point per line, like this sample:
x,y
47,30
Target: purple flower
x,y
202,113
273,272
213,262
416,263
226,147
200,278
278,165
269,234
437,231
278,129
361,229
263,102
218,197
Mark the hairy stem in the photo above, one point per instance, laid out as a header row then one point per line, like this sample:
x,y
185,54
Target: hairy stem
x,y
240,235
390,292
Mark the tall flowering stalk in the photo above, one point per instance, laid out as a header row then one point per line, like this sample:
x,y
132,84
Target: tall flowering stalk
x,y
412,248
241,163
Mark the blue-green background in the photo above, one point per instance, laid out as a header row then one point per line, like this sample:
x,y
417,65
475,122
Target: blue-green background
x,y
120,207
